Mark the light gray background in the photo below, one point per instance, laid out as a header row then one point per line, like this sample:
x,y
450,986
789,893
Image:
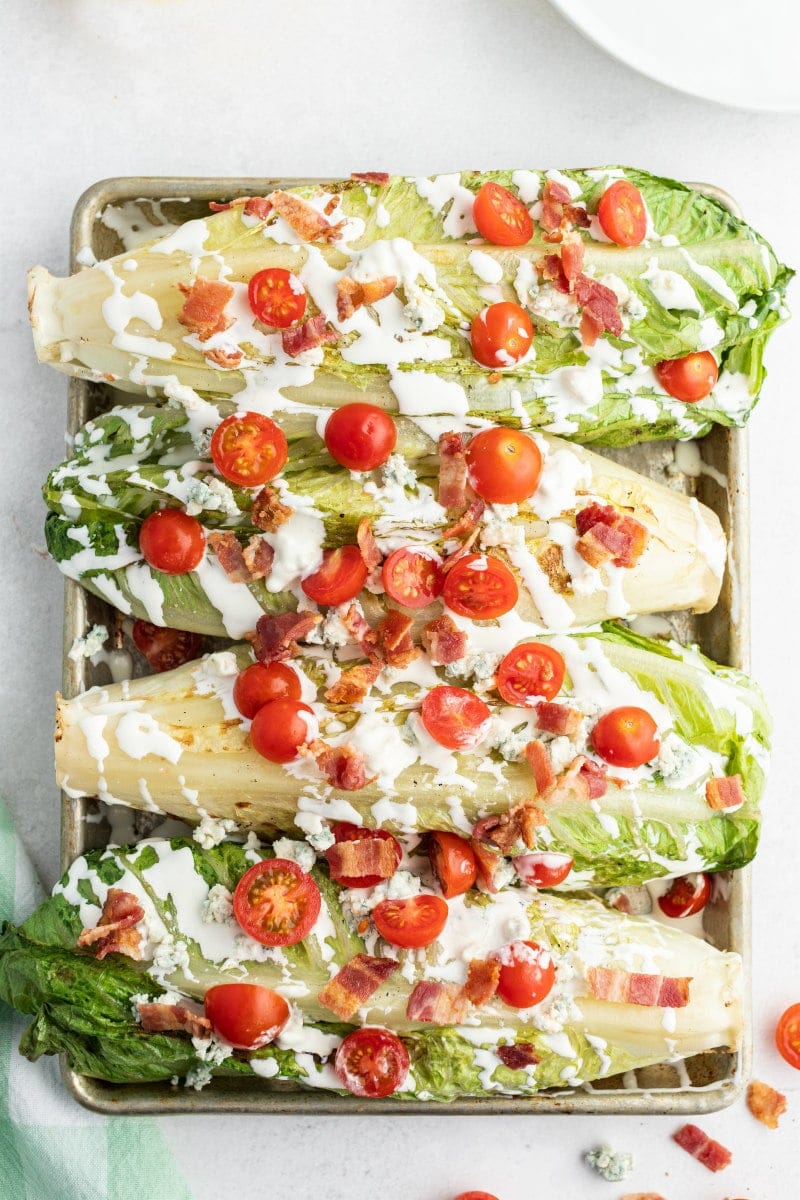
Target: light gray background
x,y
92,88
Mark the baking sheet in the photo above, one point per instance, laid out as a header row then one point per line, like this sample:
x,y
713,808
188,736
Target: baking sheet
x,y
700,1084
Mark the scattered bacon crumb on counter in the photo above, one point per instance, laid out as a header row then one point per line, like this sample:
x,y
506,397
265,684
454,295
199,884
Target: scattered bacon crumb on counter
x,y
710,1153
765,1103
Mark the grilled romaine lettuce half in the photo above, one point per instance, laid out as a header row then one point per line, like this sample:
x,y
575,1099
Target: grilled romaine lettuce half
x,y
701,280
190,942
176,742
135,459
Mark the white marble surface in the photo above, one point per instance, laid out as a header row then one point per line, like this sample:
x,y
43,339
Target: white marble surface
x,y
92,89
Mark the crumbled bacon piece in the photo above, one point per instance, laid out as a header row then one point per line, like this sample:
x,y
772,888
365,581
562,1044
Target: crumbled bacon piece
x,y
252,206
590,328
765,1103
594,514
600,302
114,933
606,535
725,792
593,776
379,178
642,1196
343,767
356,982
359,629
487,860
367,545
436,1003
558,719
363,856
452,470
352,294
541,765
464,549
571,258
171,1018
507,830
710,1153
267,512
395,644
228,359
467,522
203,309
632,987
517,1056
353,685
231,557
304,218
276,637
258,557
558,213
312,333
443,640
483,975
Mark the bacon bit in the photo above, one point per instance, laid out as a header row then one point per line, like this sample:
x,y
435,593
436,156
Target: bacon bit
x,y
352,294
360,629
364,856
395,644
632,987
467,521
203,308
114,932
765,1103
171,1018
231,559
356,982
267,512
452,470
725,791
304,218
518,1056
594,514
228,359
464,549
312,333
593,775
480,985
590,328
367,545
252,206
572,250
494,377
275,637
710,1153
600,302
444,641
331,205
541,764
487,860
258,557
436,1003
642,1196
606,535
505,832
343,766
554,197
558,719
353,685
379,178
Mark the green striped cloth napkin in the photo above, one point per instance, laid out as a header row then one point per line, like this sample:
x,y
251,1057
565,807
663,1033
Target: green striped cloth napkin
x,y
49,1145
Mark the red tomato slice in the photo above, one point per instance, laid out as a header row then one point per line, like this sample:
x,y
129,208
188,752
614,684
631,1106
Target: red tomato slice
x,y
372,1062
527,974
276,903
500,217
258,685
543,869
501,335
453,862
413,923
343,831
504,465
171,541
412,578
622,214
690,378
340,578
454,716
480,586
360,436
686,896
787,1036
281,727
530,672
626,737
163,648
277,297
249,449
245,1014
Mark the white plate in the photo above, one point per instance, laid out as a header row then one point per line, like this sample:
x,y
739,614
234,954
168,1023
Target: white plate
x,y
736,52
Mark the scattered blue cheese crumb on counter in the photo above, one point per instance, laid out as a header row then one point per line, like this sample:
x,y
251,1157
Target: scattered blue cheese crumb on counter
x,y
298,852
89,644
210,832
613,1165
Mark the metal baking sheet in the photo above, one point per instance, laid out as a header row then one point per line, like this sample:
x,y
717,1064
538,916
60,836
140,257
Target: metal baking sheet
x,y
706,1082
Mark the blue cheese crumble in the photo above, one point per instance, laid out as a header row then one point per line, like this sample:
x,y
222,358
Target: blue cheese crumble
x,y
613,1165
297,852
88,645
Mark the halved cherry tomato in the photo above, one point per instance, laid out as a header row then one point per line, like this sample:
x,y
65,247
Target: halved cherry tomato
x,y
341,577
276,903
258,685
163,648
277,297
249,449
412,923
281,727
480,586
500,217
626,737
453,862
527,974
475,1196
787,1036
246,1015
372,1062
343,831
501,335
172,541
622,214
360,436
690,378
412,578
543,869
686,896
504,465
530,672
454,716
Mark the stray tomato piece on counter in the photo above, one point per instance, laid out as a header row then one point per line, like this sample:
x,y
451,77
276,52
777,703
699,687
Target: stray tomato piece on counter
x,y
258,685
454,716
504,465
622,214
276,903
412,923
690,378
172,541
453,862
475,1196
686,896
530,672
340,578
500,217
543,869
372,1062
480,587
501,335
360,436
281,727
343,831
527,974
249,449
164,648
787,1036
412,578
246,1015
277,297
626,737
